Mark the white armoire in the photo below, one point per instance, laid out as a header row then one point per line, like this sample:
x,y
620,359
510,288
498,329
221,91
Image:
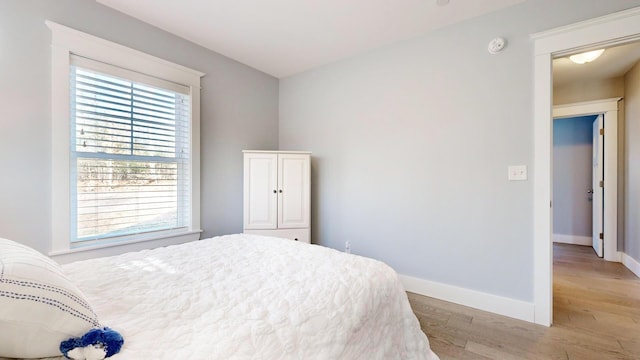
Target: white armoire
x,y
277,194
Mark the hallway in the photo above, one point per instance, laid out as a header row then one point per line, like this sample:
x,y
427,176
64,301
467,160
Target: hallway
x,y
596,297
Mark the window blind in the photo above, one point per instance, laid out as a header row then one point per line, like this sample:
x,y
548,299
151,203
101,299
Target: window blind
x,y
130,141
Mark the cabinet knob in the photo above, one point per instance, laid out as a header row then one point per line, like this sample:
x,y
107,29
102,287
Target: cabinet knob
x,y
275,192
280,190
296,239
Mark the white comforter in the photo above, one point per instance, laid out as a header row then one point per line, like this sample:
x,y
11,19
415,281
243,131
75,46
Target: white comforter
x,y
251,297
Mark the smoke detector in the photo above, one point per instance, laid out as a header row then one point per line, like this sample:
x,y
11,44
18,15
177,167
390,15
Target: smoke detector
x,y
497,45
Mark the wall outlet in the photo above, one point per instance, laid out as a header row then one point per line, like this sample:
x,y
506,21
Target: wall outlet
x,y
347,247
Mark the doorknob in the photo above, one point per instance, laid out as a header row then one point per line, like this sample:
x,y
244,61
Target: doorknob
x,y
589,191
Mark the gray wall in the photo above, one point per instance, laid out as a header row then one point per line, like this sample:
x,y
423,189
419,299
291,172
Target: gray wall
x,y
412,141
572,167
239,110
632,175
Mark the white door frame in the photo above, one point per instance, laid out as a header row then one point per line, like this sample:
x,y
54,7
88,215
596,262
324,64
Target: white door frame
x,y
609,108
614,29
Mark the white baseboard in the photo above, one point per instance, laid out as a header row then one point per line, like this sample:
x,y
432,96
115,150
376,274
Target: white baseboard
x,y
517,309
631,264
572,239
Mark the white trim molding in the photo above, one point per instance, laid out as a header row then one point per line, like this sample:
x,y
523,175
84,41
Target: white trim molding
x,y
614,29
111,249
572,239
66,42
586,108
93,47
505,306
631,264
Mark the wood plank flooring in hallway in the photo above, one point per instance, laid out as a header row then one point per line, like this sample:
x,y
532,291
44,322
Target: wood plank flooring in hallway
x,y
596,316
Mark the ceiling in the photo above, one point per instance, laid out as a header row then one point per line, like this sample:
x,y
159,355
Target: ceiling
x,y
285,37
614,62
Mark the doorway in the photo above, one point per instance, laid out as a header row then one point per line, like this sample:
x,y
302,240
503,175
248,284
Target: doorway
x,y
608,108
615,29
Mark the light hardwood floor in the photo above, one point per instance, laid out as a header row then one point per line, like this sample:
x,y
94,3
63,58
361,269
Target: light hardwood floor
x,y
596,316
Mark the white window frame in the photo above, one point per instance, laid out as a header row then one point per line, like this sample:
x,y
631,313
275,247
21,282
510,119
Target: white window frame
x,y
65,42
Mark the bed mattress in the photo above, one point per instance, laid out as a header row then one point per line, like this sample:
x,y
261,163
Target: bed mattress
x,y
251,297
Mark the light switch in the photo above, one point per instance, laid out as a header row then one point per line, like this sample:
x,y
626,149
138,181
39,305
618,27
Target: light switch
x,y
517,172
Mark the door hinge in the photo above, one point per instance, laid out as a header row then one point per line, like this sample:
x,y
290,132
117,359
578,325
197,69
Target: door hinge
x,y
601,183
601,131
601,236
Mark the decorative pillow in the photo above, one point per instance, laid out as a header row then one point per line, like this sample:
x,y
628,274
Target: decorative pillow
x,y
39,306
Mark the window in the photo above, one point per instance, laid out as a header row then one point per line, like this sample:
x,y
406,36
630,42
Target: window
x,y
125,145
129,154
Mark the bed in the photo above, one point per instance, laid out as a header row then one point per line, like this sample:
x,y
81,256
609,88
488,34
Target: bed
x,y
251,297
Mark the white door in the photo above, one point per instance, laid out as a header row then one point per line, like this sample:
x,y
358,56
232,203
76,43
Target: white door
x,y
293,191
260,189
598,177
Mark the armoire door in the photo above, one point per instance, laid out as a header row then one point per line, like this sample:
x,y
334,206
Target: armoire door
x,y
293,191
260,191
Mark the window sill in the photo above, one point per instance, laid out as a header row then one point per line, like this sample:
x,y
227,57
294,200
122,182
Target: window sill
x,y
116,248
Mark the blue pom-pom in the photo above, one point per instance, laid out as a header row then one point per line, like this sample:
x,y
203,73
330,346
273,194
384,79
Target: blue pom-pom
x,y
110,340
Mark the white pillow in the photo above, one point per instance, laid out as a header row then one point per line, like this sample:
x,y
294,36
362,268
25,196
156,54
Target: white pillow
x,y
39,306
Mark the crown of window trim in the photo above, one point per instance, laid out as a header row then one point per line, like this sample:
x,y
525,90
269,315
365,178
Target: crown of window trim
x,y
93,47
